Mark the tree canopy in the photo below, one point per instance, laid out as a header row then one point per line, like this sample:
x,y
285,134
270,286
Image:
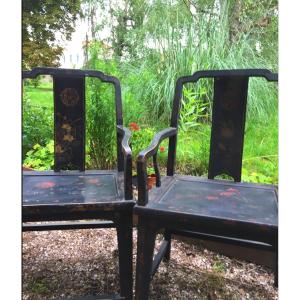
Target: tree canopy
x,y
135,23
42,22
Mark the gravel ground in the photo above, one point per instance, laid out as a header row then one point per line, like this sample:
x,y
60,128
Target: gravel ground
x,y
85,262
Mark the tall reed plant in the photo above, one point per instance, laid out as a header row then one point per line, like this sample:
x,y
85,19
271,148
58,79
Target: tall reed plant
x,y
100,113
183,47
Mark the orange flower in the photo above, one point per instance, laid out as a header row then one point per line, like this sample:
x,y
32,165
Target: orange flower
x,y
162,149
134,126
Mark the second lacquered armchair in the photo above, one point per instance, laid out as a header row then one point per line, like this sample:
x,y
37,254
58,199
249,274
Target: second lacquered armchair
x,y
229,211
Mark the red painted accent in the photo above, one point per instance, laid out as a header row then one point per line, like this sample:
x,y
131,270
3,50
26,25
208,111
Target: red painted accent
x,y
93,181
45,185
212,197
233,190
227,194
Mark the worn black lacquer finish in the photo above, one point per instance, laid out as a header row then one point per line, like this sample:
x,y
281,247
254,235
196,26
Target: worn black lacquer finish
x,y
124,134
70,193
219,199
69,123
226,211
227,133
87,188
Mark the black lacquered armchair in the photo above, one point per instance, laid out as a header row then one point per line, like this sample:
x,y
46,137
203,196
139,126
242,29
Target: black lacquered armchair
x,y
227,211
99,198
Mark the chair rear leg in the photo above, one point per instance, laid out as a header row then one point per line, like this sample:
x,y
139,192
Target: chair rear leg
x,y
167,237
276,266
145,250
124,233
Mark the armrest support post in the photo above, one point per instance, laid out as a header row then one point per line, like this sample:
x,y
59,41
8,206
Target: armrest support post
x,y
127,153
142,183
171,155
156,168
142,163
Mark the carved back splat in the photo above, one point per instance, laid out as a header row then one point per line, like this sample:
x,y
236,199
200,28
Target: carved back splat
x,y
69,123
228,123
228,118
69,114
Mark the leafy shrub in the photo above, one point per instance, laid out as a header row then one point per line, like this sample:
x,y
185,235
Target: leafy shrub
x,y
40,158
193,151
101,120
100,125
100,113
37,125
140,138
258,177
194,108
133,110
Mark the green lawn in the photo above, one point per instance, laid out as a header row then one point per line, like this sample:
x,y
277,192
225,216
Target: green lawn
x,y
260,159
41,95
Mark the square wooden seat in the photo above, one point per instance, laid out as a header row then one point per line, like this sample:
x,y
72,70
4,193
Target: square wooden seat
x,y
187,204
64,192
218,199
70,188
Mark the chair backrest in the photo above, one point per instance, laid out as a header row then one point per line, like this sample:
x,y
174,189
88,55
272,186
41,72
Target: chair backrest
x,y
228,118
69,114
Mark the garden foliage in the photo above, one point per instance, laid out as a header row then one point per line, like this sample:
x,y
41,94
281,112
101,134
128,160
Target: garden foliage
x,y
151,44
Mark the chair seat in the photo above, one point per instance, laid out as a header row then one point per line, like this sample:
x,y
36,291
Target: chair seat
x,y
83,187
70,191
217,199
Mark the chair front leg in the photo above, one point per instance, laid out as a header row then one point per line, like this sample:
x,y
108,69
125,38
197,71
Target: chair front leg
x,y
145,250
124,232
167,237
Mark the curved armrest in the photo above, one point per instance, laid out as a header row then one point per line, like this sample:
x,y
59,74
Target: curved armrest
x,y
151,150
158,138
126,134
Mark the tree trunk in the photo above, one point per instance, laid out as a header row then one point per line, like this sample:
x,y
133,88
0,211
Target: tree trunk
x,y
234,21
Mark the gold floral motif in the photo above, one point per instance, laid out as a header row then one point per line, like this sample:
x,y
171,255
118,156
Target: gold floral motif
x,y
69,97
229,103
58,149
68,137
66,126
227,132
221,146
227,129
